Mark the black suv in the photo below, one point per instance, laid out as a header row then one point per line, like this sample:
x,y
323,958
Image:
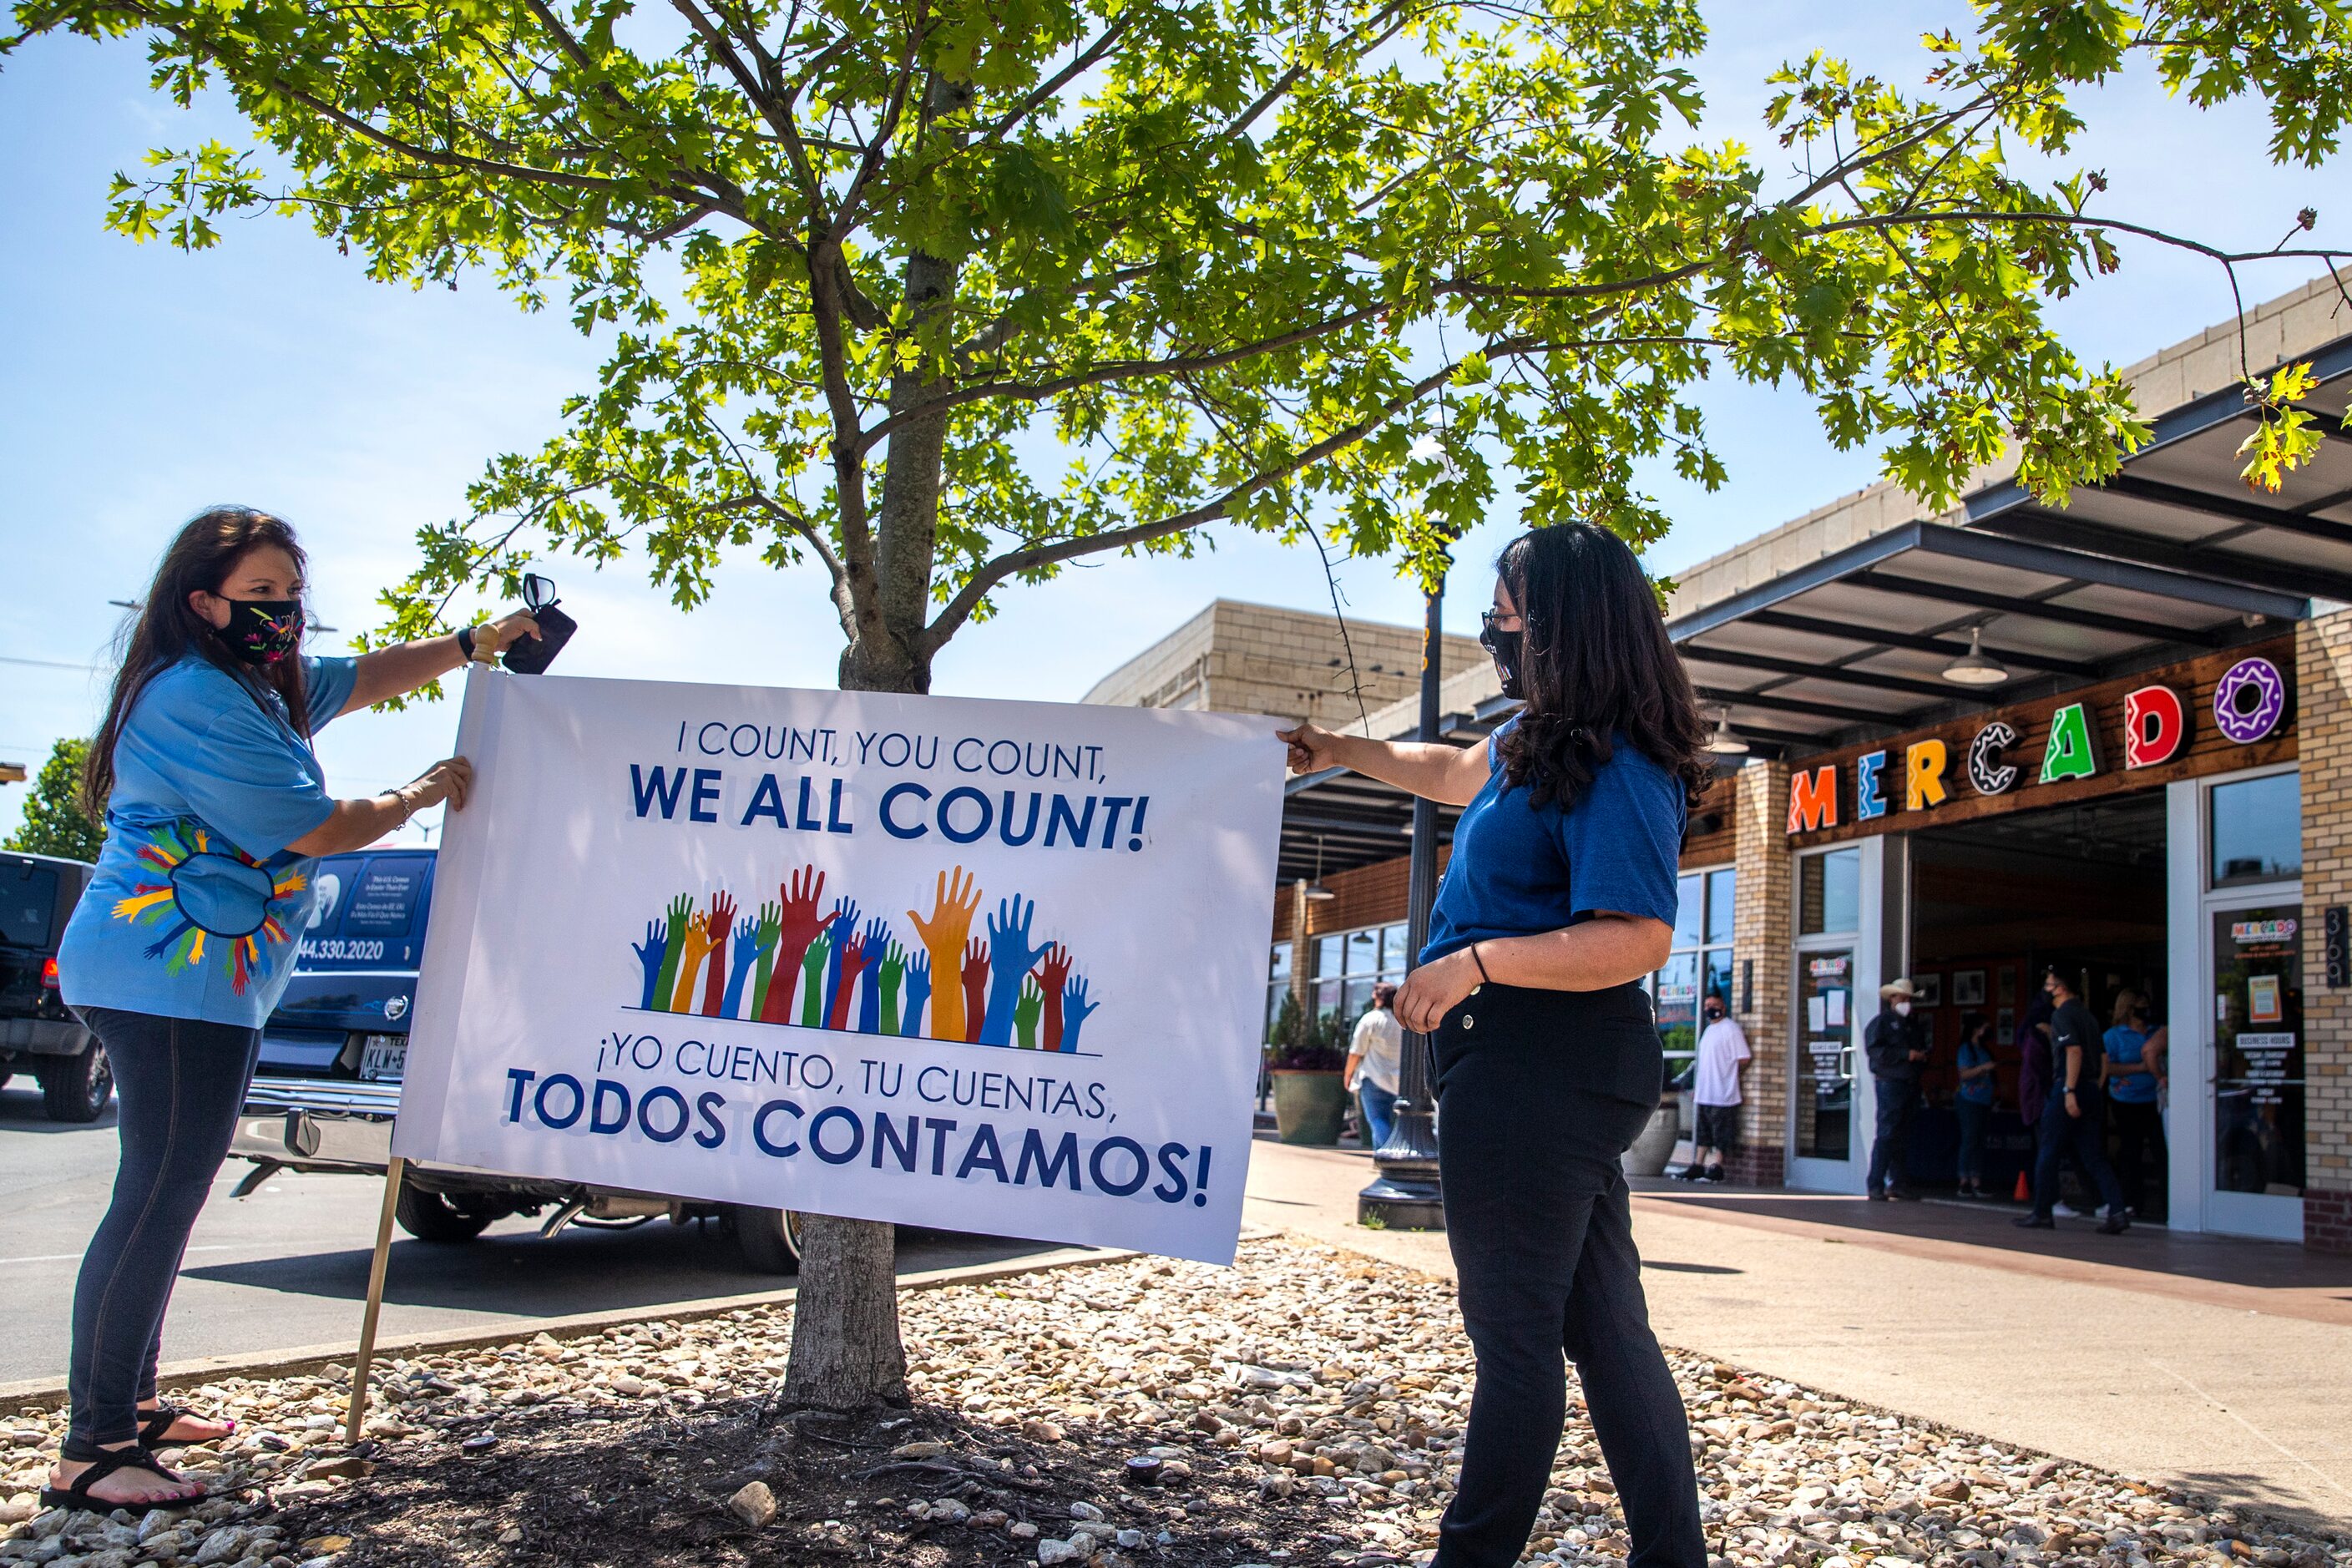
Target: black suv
x,y
37,1035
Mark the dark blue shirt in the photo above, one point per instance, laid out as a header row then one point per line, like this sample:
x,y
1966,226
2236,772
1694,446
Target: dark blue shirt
x,y
1519,870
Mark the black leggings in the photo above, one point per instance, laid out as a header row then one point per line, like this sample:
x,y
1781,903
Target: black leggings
x,y
1537,1215
182,1082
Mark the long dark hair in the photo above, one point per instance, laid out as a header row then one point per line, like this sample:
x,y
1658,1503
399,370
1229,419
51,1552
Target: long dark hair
x,y
1595,663
202,557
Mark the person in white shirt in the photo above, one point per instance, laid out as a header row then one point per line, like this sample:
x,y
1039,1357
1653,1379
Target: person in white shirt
x,y
1375,1058
1715,1091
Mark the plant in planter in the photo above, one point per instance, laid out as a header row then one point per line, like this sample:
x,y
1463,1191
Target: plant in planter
x,y
1304,1055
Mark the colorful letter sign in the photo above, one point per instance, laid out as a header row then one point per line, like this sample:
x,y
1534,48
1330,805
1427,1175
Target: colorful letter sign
x,y
1869,800
2154,726
1812,799
2069,754
2249,701
1988,773
1923,774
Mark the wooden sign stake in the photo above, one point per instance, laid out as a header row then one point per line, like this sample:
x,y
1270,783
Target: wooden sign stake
x,y
358,1409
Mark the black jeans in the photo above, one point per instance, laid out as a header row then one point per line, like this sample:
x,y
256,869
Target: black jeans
x,y
2086,1136
181,1083
2141,1163
1890,1151
1536,1216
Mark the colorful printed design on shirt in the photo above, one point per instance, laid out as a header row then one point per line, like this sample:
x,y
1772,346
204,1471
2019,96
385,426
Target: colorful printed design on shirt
x,y
221,897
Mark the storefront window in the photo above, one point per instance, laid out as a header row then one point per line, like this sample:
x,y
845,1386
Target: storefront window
x,y
1348,964
1699,964
1829,893
1824,1089
1277,985
2257,833
2258,1080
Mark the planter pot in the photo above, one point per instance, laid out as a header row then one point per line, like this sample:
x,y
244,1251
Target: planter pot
x,y
1654,1148
1308,1107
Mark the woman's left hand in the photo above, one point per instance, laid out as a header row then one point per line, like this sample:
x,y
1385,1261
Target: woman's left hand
x,y
494,637
1434,990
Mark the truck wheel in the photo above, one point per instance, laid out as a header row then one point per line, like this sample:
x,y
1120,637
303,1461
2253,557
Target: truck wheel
x,y
76,1088
770,1239
429,1217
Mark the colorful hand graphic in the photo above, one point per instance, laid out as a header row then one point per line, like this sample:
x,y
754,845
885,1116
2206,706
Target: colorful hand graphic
x,y
942,937
1026,1011
719,920
871,951
975,990
770,928
653,952
679,915
918,991
850,959
841,929
1009,957
1052,973
1078,1009
894,970
814,963
750,949
698,942
800,924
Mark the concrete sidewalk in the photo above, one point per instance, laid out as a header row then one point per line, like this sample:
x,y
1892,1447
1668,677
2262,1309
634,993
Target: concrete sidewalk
x,y
2223,1366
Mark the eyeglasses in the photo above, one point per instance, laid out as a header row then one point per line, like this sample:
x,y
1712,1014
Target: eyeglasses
x,y
1492,620
537,592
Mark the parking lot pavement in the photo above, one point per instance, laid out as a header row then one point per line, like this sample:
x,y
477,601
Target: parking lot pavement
x,y
288,1267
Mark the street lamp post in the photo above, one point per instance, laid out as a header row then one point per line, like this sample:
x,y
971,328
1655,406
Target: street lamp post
x,y
1405,1195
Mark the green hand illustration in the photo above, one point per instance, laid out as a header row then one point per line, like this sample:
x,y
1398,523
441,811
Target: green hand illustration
x,y
894,970
813,982
772,925
681,915
1027,1011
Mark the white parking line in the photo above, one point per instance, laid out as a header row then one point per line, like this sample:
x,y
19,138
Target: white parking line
x,y
76,1257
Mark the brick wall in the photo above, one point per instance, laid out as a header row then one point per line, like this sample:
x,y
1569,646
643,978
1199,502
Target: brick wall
x,y
2323,718
1763,906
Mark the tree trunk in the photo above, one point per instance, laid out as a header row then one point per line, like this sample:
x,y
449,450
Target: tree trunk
x,y
847,1353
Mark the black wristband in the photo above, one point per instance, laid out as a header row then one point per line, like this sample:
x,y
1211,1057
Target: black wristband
x,y
466,643
1481,963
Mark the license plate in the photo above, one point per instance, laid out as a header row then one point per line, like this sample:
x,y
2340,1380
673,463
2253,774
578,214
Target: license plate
x,y
384,1057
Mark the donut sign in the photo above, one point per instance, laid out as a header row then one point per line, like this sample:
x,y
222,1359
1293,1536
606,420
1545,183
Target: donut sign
x,y
2249,701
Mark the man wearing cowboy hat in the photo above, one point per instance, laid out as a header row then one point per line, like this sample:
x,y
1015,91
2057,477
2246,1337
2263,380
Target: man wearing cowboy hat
x,y
1897,1043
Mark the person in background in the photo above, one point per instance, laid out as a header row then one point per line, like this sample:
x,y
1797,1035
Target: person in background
x,y
215,812
1972,1101
2073,1119
1897,1043
2134,1075
1715,1093
1375,1063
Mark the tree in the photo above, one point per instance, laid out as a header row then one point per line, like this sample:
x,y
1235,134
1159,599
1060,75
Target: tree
x,y
54,821
945,293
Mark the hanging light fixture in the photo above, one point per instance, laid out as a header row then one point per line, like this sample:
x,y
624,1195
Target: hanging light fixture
x,y
1976,667
1725,742
1314,891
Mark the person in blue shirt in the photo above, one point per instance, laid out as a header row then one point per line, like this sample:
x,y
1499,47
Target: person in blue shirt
x,y
1972,1101
1559,900
215,811
2135,1073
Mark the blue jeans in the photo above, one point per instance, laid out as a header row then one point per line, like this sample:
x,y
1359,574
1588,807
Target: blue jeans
x,y
1889,1149
1973,1118
1378,1108
2086,1136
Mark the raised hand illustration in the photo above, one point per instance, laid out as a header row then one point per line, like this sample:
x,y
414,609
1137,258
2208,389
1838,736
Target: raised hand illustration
x,y
799,922
698,942
850,959
769,929
942,937
721,919
1009,957
975,991
841,928
750,947
872,952
679,915
1053,972
1026,1011
894,970
653,952
918,990
814,963
1077,1009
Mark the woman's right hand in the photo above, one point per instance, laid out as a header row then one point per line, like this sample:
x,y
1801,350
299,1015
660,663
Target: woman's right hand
x,y
449,779
1312,748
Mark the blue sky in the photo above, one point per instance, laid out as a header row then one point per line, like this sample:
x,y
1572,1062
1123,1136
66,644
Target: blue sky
x,y
141,385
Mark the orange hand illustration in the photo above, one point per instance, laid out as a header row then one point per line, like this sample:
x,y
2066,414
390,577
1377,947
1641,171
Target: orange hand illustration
x,y
698,943
715,926
942,937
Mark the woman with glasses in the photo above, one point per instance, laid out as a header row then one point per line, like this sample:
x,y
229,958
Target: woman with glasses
x,y
215,810
1559,900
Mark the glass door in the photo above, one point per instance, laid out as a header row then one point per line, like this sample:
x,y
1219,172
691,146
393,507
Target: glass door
x,y
1829,1100
2257,1085
1824,1088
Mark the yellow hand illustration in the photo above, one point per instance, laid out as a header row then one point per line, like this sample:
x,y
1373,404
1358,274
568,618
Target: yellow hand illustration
x,y
700,941
942,937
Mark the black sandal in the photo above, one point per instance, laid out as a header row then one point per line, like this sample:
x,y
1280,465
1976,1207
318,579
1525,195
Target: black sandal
x,y
154,1424
108,1462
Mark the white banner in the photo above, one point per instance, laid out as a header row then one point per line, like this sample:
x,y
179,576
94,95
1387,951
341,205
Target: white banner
x,y
988,966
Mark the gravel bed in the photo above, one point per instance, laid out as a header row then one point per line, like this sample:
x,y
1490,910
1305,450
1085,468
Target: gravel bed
x,y
1303,1407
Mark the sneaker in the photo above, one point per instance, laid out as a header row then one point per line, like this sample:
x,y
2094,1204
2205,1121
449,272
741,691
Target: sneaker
x,y
1712,1173
2035,1222
1906,1193
2066,1210
1876,1196
1687,1174
2115,1223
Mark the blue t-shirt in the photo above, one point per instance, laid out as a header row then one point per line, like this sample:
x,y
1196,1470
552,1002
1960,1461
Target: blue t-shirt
x,y
2126,1047
195,906
1517,870
1976,1091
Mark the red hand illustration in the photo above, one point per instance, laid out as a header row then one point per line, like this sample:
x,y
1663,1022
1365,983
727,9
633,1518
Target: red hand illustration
x,y
975,993
1051,973
853,960
802,922
716,925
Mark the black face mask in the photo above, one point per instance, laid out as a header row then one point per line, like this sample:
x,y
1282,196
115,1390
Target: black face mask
x,y
1505,647
263,631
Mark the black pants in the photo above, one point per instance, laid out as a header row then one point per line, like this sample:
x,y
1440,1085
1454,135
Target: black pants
x,y
1890,1151
2140,1163
181,1083
1536,1216
2086,1137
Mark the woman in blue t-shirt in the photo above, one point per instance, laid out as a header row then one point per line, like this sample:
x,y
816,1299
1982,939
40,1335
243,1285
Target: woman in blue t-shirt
x,y
1972,1101
1559,900
2133,1071
215,809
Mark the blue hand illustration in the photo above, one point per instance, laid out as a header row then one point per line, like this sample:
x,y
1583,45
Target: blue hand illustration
x,y
844,927
651,953
869,959
1075,1009
1010,956
918,991
748,950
